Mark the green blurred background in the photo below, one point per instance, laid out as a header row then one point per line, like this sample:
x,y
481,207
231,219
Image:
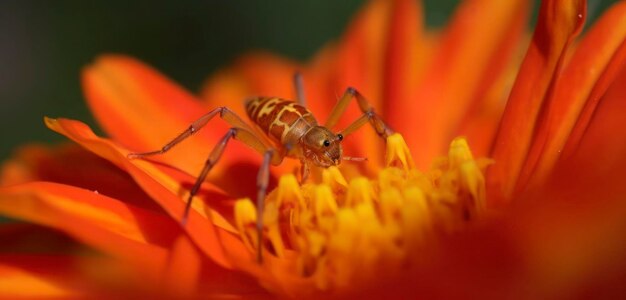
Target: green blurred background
x,y
44,44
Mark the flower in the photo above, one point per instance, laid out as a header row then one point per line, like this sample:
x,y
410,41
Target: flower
x,y
545,220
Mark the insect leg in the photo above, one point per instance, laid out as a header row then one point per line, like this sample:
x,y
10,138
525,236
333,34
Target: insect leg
x,y
244,136
368,114
304,171
298,84
223,112
262,183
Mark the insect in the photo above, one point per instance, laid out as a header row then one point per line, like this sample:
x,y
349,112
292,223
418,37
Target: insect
x,y
292,131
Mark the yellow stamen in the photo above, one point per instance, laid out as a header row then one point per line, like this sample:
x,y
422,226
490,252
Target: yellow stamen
x,y
345,233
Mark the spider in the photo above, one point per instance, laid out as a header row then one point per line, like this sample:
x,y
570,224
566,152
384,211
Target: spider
x,y
293,132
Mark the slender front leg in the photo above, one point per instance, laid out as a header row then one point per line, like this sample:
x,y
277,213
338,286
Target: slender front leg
x,y
368,115
305,170
224,113
298,84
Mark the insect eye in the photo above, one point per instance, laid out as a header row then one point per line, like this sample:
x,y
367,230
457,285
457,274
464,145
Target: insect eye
x,y
340,137
326,143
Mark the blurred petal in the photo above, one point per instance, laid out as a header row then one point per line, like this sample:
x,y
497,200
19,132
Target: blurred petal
x,y
472,56
77,276
360,62
183,268
32,238
131,101
604,139
361,53
613,75
115,228
143,110
592,68
38,277
404,61
188,274
562,241
164,188
255,74
73,165
559,22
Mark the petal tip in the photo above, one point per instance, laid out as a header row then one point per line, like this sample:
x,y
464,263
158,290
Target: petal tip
x,y
50,122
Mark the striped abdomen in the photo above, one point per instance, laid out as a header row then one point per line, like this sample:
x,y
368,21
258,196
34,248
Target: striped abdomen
x,y
282,120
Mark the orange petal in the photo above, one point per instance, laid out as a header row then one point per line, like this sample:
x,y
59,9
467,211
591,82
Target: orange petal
x,y
404,60
360,57
593,66
480,122
379,56
115,228
359,63
72,165
563,240
143,110
183,268
572,230
559,22
256,74
613,75
80,276
160,184
186,272
473,55
603,143
176,181
33,238
38,277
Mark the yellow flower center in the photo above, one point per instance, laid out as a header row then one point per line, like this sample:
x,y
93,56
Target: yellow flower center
x,y
343,233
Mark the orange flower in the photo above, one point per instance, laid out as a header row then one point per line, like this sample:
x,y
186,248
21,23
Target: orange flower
x,y
546,220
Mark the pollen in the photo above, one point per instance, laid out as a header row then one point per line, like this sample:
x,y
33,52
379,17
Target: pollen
x,y
338,233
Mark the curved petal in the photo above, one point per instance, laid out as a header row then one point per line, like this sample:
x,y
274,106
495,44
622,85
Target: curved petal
x,y
559,22
255,74
72,165
162,185
404,59
360,54
603,142
189,274
17,237
473,55
185,273
101,222
79,276
592,68
143,110
40,276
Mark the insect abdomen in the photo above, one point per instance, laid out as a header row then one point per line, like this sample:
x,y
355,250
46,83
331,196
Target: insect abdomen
x,y
280,119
